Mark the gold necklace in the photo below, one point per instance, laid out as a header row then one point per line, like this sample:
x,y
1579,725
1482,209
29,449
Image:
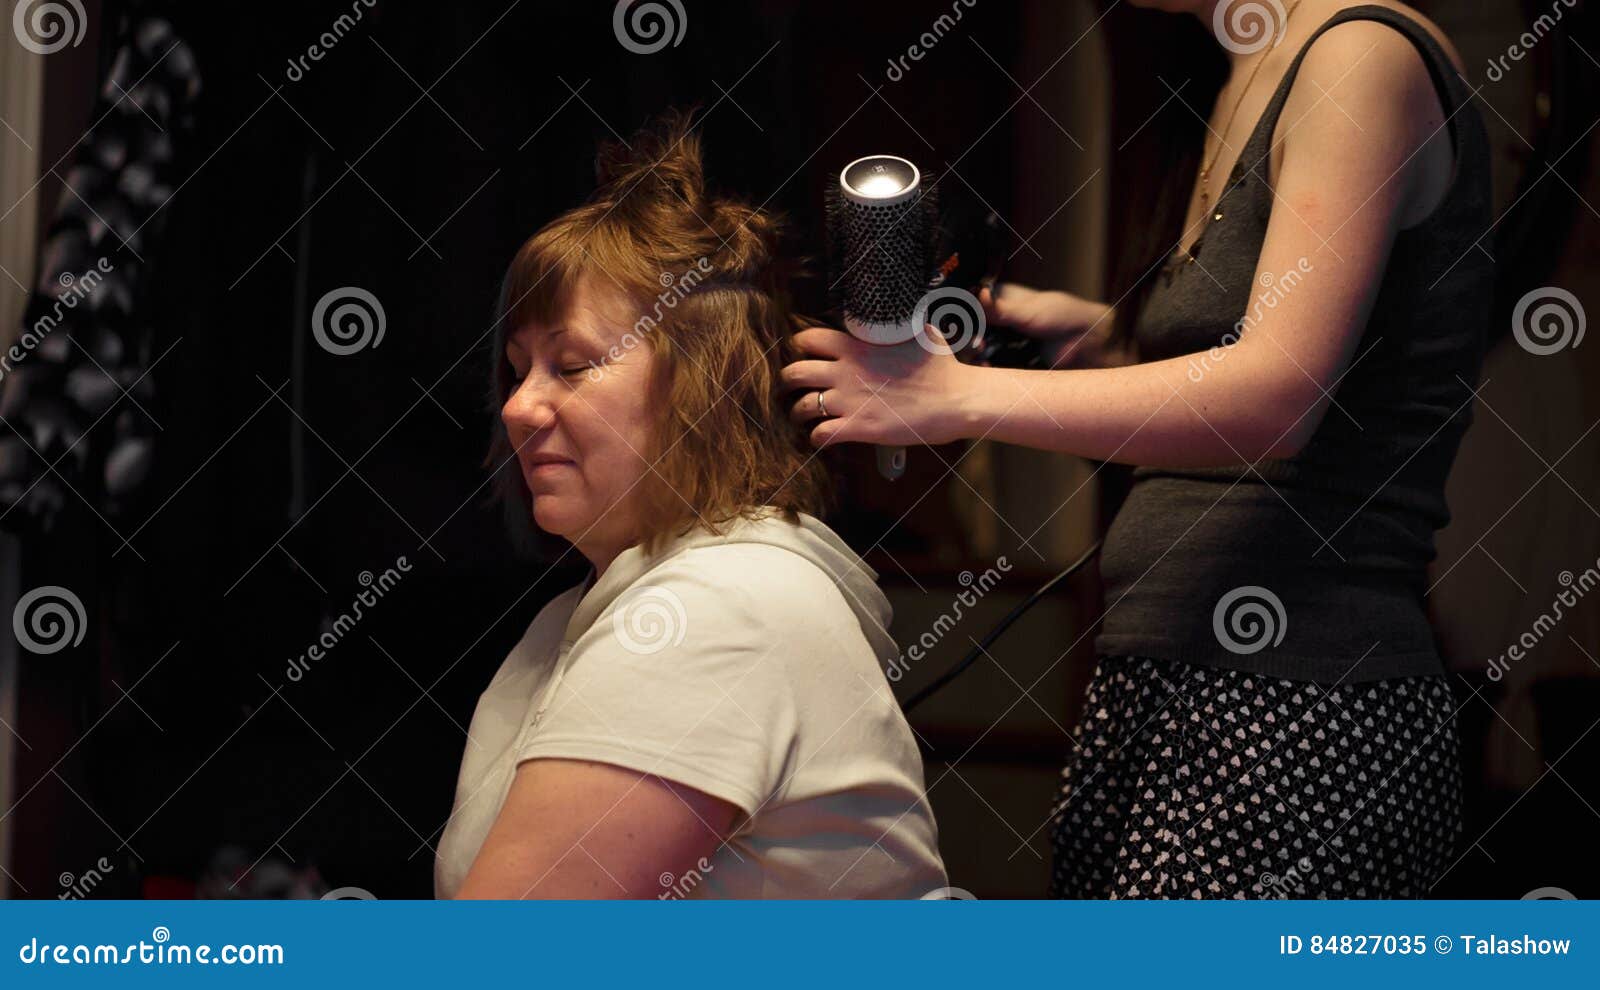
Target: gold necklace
x,y
1205,169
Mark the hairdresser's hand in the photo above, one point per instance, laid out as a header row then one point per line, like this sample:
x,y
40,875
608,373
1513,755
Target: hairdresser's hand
x,y
1073,332
899,395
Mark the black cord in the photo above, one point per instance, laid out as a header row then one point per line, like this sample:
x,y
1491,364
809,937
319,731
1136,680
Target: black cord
x,y
994,634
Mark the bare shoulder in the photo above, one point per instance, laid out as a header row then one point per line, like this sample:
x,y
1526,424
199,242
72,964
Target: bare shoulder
x,y
1351,42
1434,30
1371,76
1364,106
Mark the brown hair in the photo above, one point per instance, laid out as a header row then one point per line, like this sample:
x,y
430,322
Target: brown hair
x,y
711,292
1158,155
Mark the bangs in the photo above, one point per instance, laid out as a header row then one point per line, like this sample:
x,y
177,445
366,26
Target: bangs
x,y
540,280
543,276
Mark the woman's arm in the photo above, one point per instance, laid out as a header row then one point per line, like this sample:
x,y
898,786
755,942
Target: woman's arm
x,y
1072,332
577,829
1361,107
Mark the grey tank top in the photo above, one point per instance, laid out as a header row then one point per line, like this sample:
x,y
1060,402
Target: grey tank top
x,y
1313,567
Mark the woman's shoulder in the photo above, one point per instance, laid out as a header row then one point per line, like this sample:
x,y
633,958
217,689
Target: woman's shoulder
x,y
1422,20
1368,75
783,594
764,552
1366,49
791,583
760,577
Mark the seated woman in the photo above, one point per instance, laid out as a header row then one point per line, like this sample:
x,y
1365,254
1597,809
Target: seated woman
x,y
705,714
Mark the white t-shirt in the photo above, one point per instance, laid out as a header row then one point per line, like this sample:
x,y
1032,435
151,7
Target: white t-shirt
x,y
747,666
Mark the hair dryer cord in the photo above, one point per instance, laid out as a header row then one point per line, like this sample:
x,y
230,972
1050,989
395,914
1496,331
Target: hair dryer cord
x,y
995,633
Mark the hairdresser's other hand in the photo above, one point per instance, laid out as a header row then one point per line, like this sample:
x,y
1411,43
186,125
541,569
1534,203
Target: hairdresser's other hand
x,y
1073,332
898,395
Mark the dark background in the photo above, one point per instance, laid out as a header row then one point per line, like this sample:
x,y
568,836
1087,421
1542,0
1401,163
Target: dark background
x,y
284,471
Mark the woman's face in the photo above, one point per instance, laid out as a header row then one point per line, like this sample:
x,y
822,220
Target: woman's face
x,y
581,419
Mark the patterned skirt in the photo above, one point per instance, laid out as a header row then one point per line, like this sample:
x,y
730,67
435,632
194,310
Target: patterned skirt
x,y
1190,781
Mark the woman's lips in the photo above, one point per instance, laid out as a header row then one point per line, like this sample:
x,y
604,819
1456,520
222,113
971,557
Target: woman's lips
x,y
546,468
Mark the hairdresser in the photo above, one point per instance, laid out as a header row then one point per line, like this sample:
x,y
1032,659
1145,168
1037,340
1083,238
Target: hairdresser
x,y
1268,715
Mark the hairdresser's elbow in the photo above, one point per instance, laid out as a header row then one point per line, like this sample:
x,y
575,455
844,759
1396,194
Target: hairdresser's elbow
x,y
1291,429
1284,449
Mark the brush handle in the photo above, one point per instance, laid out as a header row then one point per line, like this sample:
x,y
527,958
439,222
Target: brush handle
x,y
891,461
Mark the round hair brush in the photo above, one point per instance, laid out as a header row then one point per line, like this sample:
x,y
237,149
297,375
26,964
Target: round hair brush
x,y
882,244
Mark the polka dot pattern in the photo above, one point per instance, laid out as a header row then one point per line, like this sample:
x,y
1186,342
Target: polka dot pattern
x,y
1200,782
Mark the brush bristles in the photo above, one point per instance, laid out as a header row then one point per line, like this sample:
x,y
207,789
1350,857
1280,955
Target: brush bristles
x,y
880,258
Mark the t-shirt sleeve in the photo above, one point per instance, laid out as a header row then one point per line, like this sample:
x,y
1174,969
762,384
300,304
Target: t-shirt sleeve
x,y
685,677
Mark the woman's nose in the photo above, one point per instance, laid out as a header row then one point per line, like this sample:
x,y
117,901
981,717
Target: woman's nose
x,y
530,406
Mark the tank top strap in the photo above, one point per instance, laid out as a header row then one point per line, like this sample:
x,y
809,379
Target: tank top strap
x,y
1446,81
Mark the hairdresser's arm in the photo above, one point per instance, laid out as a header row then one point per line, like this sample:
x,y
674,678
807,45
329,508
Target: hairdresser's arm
x,y
1346,179
1071,331
577,829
